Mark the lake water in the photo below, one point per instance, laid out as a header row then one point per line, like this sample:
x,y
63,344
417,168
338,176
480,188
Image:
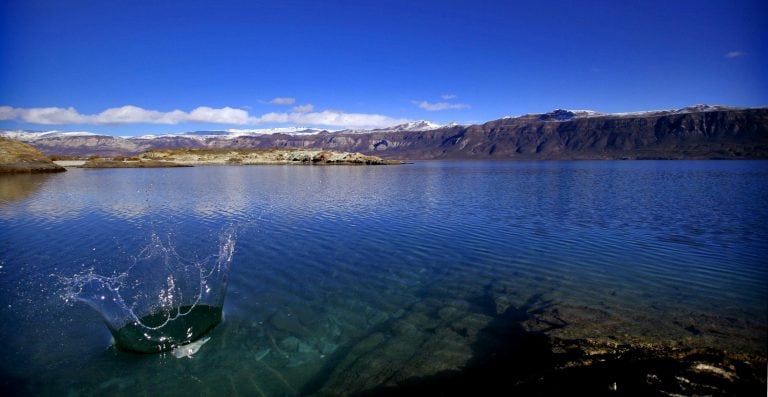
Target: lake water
x,y
345,278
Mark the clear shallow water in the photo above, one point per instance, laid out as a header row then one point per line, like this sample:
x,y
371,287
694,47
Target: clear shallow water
x,y
345,276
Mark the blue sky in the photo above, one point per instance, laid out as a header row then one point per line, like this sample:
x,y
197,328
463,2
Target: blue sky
x,y
136,67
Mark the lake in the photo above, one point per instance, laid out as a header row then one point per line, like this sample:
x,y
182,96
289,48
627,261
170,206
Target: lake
x,y
349,278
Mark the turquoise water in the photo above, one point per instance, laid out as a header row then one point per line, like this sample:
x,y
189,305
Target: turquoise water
x,y
345,278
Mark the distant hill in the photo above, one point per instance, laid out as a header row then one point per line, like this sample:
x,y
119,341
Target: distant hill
x,y
697,132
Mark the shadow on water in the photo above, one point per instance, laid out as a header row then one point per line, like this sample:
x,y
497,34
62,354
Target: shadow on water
x,y
509,360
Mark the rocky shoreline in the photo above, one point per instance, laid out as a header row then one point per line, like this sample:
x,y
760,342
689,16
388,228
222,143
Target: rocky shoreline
x,y
262,157
193,157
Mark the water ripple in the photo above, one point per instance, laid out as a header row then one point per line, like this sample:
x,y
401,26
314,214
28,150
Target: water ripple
x,y
345,248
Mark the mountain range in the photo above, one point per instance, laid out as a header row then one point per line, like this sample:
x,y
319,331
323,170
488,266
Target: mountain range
x,y
696,132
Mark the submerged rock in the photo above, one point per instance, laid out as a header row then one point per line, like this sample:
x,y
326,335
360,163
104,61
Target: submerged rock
x,y
120,383
290,344
290,324
470,348
262,353
189,349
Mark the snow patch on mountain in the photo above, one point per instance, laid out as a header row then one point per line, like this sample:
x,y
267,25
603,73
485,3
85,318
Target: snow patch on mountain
x,y
233,133
30,136
276,130
420,125
700,108
569,114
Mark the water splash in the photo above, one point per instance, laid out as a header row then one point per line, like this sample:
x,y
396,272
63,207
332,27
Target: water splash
x,y
162,300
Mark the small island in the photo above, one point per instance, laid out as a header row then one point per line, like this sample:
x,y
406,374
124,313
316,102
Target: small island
x,y
193,157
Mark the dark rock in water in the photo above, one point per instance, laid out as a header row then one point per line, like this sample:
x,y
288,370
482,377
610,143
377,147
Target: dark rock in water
x,y
290,324
509,359
290,344
165,330
512,361
308,317
18,157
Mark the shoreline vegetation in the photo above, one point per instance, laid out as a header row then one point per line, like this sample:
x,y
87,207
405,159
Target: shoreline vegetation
x,y
192,157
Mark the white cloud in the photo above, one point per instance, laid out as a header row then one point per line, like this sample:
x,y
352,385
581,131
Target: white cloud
x,y
330,118
283,101
434,107
133,114
735,54
7,113
129,114
448,97
49,115
304,108
225,115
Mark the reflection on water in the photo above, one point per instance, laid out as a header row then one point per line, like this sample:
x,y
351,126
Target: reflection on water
x,y
351,278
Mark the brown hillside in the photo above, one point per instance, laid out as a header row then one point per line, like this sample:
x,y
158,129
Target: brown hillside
x,y
18,157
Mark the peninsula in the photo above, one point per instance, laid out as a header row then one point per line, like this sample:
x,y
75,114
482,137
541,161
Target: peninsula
x,y
18,158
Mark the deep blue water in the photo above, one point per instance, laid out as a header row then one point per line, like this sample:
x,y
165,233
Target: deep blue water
x,y
329,257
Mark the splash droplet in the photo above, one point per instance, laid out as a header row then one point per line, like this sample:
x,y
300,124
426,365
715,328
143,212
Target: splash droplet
x,y
161,300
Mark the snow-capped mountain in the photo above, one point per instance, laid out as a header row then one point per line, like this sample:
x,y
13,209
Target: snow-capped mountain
x,y
685,132
420,125
23,135
277,130
569,114
237,133
413,126
700,108
704,108
560,115
564,115
231,133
